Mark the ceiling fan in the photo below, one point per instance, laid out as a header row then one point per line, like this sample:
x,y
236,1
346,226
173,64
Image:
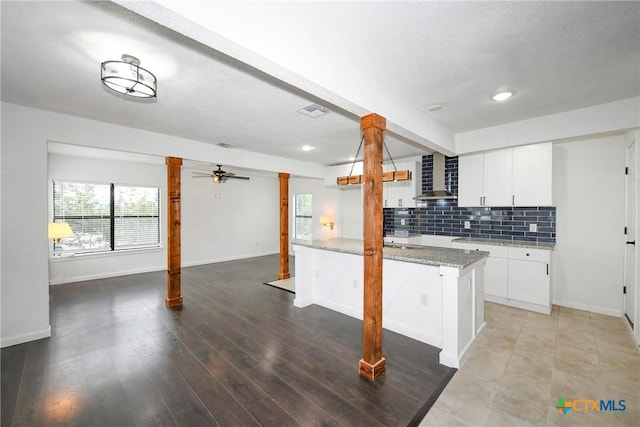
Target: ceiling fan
x,y
219,176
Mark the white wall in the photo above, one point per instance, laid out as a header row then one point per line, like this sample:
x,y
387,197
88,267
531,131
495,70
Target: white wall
x,y
24,179
94,266
325,201
588,191
598,119
351,210
236,219
25,291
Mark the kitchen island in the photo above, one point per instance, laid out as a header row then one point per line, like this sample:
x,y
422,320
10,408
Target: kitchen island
x,y
431,294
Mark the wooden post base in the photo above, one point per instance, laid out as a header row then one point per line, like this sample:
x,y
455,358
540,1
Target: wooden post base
x,y
173,302
373,371
282,276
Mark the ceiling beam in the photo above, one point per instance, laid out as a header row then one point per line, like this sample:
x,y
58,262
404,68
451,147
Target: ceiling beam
x,y
300,67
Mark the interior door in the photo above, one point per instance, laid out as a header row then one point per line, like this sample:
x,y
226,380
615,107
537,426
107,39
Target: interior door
x,y
630,246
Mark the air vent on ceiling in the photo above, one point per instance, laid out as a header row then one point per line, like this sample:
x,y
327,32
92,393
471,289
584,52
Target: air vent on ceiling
x,y
313,111
225,145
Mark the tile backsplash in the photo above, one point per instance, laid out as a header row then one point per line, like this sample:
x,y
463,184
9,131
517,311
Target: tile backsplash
x,y
446,218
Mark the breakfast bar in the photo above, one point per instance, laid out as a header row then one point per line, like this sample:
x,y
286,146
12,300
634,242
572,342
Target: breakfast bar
x,y
431,294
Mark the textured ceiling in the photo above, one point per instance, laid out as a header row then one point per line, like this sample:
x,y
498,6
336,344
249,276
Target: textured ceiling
x,y
557,56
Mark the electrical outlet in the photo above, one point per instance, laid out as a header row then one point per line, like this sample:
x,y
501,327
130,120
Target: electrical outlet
x,y
467,224
402,221
424,300
533,228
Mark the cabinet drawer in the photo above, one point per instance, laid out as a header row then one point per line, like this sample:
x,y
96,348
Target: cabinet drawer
x,y
527,254
494,250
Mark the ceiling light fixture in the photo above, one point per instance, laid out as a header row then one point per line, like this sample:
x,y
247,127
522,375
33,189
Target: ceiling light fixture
x,y
307,148
502,96
129,78
435,107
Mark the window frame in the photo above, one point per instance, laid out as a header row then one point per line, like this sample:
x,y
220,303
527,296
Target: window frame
x,y
112,217
296,215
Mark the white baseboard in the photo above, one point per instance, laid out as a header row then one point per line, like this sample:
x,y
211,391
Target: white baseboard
x,y
106,275
224,259
151,269
591,308
31,336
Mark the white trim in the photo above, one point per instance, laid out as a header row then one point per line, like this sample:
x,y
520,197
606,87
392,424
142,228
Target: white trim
x,y
590,308
65,257
231,258
31,336
105,275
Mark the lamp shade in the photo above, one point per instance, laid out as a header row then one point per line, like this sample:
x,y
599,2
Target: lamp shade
x,y
129,78
59,230
324,219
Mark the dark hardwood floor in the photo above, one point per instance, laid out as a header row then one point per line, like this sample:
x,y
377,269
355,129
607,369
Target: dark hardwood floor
x,y
237,354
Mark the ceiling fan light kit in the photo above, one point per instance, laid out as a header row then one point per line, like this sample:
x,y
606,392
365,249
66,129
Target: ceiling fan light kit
x,y
127,77
218,175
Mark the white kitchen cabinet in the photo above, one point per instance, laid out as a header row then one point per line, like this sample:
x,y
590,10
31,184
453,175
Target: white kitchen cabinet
x,y
518,176
529,279
400,194
470,179
532,166
518,277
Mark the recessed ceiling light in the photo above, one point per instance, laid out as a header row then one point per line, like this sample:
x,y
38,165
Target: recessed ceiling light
x,y
436,107
502,96
307,148
352,158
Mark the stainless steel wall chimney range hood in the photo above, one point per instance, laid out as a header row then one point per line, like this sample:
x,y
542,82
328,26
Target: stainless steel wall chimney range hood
x,y
438,191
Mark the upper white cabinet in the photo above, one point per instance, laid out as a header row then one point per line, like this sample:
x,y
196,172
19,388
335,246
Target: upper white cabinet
x,y
519,176
532,165
400,194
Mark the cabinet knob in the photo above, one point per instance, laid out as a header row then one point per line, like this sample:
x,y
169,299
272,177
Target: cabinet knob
x,y
527,254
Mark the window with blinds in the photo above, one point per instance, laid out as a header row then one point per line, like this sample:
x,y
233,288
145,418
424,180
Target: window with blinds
x,y
303,226
106,217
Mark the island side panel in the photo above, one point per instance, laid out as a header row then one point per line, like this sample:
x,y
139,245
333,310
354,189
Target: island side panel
x,y
304,276
412,293
412,301
463,305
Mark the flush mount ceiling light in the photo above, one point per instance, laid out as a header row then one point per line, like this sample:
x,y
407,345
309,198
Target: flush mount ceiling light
x,y
502,96
128,77
307,148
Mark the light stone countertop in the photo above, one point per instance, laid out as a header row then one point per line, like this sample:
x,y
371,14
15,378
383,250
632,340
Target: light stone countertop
x,y
418,254
510,243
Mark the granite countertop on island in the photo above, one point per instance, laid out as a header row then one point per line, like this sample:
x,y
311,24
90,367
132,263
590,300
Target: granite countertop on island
x,y
510,243
428,255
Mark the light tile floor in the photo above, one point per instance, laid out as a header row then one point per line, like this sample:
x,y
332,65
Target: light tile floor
x,y
524,361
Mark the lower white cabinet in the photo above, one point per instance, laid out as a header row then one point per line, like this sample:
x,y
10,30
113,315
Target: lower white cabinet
x,y
519,277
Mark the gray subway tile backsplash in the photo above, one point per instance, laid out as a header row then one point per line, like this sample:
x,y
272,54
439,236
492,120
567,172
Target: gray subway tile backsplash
x,y
444,217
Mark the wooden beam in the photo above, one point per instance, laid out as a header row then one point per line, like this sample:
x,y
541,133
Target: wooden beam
x,y
284,226
372,364
174,295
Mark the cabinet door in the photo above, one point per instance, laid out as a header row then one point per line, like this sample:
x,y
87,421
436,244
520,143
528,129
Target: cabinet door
x,y
496,277
400,194
529,282
470,180
532,166
498,171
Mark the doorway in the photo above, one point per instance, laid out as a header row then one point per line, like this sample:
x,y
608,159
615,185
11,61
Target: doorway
x,y
630,281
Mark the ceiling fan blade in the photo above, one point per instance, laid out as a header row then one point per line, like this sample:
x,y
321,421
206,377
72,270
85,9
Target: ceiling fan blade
x,y
228,173
201,176
238,177
200,173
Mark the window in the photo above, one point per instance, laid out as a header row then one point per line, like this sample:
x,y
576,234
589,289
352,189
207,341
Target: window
x,y
107,217
302,226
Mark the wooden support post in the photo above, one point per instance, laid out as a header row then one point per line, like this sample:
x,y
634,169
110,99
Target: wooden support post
x,y
372,363
174,296
284,226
